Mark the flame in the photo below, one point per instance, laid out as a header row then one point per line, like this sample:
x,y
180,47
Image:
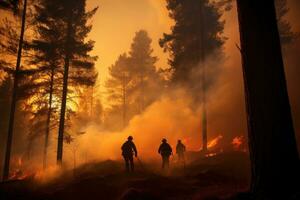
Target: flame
x,y
20,161
237,142
18,172
214,141
210,155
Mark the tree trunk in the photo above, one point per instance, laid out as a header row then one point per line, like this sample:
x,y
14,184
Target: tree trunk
x,y
273,152
202,60
64,94
48,119
92,103
14,98
142,94
124,99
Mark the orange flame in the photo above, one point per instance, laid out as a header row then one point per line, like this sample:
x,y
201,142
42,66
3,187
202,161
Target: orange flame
x,y
237,142
20,161
18,172
214,141
210,155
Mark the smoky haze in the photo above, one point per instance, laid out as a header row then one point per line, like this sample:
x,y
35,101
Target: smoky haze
x,y
171,116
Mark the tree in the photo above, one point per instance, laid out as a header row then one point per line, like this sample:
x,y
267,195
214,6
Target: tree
x,y
48,60
49,48
9,5
14,97
75,51
273,151
9,49
196,35
287,36
191,40
134,81
142,69
5,88
118,85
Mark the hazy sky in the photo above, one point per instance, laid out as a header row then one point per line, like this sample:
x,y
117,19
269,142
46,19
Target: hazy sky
x,y
115,24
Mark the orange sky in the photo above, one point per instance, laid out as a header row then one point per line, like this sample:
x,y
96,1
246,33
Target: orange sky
x,y
115,24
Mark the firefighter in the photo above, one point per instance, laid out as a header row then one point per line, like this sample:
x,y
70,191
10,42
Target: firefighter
x,y
165,150
128,150
180,150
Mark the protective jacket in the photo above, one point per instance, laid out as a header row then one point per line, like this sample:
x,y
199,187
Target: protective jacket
x,y
165,149
128,149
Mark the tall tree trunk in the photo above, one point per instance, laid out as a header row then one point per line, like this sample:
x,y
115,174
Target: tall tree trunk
x,y
124,100
142,90
14,98
92,103
48,119
202,60
273,152
64,94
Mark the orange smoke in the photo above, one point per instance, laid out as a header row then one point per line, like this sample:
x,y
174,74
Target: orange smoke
x,y
170,117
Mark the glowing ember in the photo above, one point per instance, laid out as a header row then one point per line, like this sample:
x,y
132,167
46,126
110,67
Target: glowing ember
x,y
210,155
17,171
237,142
18,174
214,141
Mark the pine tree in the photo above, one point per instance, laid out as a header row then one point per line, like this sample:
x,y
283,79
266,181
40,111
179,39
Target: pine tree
x,y
142,69
197,33
78,65
134,81
48,59
118,85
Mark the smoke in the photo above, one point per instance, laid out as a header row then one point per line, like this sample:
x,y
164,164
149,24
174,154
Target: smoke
x,y
170,117
175,115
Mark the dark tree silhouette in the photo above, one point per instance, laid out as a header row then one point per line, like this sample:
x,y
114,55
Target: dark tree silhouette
x,y
5,88
195,21
14,97
48,60
75,51
273,151
197,34
60,31
9,5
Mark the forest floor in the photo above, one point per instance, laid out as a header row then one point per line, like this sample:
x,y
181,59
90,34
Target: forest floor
x,y
207,178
